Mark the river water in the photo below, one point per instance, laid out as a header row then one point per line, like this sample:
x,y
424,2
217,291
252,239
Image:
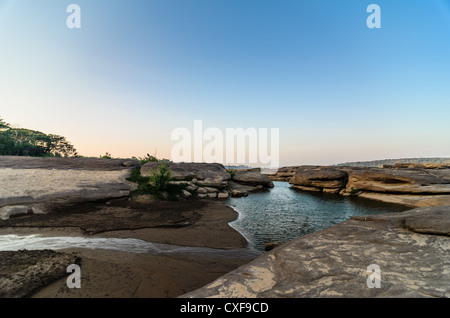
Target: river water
x,y
284,213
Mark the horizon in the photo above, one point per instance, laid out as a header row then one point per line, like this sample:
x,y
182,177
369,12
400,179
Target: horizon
x,y
136,71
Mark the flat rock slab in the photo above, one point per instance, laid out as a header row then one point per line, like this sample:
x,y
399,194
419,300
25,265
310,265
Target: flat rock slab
x,y
184,170
97,164
23,272
411,249
37,183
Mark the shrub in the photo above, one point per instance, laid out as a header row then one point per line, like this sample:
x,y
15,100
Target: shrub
x,y
148,158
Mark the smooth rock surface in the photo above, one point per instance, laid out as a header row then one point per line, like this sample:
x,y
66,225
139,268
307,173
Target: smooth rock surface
x,y
41,183
183,171
252,177
412,250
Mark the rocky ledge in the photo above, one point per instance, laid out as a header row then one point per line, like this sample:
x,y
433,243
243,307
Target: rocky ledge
x,y
410,249
39,185
411,185
212,180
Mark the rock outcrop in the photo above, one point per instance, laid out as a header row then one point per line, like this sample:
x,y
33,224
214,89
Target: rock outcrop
x,y
212,180
37,184
320,179
410,249
252,177
411,185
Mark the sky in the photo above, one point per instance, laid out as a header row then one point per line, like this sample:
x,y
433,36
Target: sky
x,y
136,70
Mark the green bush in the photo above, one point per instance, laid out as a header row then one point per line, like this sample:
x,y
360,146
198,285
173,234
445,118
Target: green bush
x,y
148,158
158,184
161,178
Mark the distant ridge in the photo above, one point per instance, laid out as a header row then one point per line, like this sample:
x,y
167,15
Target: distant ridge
x,y
380,163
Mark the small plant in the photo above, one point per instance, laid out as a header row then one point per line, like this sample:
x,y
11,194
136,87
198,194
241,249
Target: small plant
x,y
161,178
232,172
354,191
107,155
148,158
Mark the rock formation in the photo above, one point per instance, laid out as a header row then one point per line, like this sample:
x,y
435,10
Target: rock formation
x,y
37,184
411,185
411,250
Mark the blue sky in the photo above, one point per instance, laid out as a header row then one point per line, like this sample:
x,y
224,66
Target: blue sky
x,y
136,70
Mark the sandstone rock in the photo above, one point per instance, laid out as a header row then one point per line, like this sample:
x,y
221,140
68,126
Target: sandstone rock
x,y
223,195
218,183
252,177
238,194
56,181
211,190
202,195
212,194
8,211
322,179
186,194
202,191
410,249
184,171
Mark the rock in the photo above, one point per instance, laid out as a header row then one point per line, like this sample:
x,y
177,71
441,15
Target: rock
x,y
202,191
223,195
8,211
212,194
410,249
211,190
270,246
283,174
185,194
202,195
321,179
407,184
48,182
252,177
190,171
238,194
217,183
191,188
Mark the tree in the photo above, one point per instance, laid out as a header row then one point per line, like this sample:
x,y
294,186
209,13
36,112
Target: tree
x,y
26,142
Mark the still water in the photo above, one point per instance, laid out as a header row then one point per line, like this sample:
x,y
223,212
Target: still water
x,y
284,213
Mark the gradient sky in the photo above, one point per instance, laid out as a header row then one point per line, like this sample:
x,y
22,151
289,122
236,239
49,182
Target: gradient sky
x,y
136,70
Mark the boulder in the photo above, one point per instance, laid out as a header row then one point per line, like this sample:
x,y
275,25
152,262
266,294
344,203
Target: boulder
x,y
238,194
252,177
223,195
320,179
409,249
190,171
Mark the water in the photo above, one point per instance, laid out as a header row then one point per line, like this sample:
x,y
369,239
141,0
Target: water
x,y
14,242
284,213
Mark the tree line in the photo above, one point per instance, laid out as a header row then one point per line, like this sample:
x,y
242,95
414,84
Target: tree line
x,y
27,142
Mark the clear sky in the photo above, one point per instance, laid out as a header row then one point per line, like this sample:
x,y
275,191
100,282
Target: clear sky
x,y
137,69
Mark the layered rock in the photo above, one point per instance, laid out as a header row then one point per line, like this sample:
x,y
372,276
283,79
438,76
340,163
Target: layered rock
x,y
410,249
283,174
213,172
37,184
252,177
212,180
412,185
320,179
